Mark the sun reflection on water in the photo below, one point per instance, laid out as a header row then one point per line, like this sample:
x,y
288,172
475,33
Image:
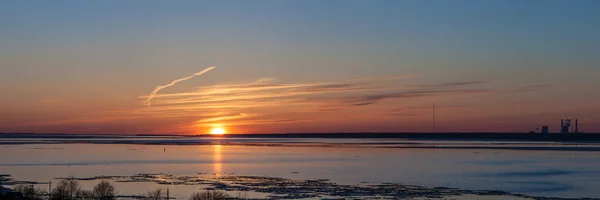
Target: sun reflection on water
x,y
217,160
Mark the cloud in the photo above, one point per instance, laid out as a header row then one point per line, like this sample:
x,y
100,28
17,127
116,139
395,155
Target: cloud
x,y
268,101
265,101
263,92
453,84
402,114
371,99
225,118
383,78
363,103
420,109
255,121
160,87
529,88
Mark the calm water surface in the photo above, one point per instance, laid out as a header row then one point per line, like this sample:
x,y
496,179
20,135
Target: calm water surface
x,y
531,172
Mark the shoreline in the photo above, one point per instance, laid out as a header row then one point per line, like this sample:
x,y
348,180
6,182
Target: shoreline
x,y
282,188
468,136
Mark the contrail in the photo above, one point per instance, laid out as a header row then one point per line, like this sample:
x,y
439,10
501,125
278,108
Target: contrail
x,y
160,87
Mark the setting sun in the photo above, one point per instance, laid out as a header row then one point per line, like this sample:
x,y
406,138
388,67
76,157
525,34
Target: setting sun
x,y
217,131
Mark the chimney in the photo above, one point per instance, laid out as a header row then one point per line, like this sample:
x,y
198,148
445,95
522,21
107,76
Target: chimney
x,y
576,125
562,129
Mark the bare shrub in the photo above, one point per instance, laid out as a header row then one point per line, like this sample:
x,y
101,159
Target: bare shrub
x,y
210,195
66,189
84,195
104,191
29,191
26,190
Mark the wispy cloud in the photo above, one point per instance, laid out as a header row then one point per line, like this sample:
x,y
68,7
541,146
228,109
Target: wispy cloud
x,y
248,119
453,84
268,102
160,87
530,88
371,99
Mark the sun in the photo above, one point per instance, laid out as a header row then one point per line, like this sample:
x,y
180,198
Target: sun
x,y
217,131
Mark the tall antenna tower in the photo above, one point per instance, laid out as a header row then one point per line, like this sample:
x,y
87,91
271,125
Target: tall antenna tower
x,y
434,117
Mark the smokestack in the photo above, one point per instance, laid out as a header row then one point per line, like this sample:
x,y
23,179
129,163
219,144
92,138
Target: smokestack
x,y
576,125
562,125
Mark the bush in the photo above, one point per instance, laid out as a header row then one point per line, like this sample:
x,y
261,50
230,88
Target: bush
x,y
84,195
104,191
29,192
26,190
66,189
210,195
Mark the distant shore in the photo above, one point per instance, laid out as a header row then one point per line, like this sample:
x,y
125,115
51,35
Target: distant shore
x,y
472,141
578,137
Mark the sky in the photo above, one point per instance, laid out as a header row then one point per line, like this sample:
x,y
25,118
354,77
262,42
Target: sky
x,y
101,67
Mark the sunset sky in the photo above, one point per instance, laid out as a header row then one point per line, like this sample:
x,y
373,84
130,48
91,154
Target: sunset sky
x,y
298,66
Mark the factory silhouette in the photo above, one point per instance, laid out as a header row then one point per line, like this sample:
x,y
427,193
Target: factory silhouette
x,y
566,127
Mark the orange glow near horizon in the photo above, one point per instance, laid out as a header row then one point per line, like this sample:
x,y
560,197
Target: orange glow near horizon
x,y
217,131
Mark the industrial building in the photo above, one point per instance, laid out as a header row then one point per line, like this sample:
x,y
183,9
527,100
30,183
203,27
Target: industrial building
x,y
566,124
545,130
566,127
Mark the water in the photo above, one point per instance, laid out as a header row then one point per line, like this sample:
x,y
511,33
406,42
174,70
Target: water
x,y
557,170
